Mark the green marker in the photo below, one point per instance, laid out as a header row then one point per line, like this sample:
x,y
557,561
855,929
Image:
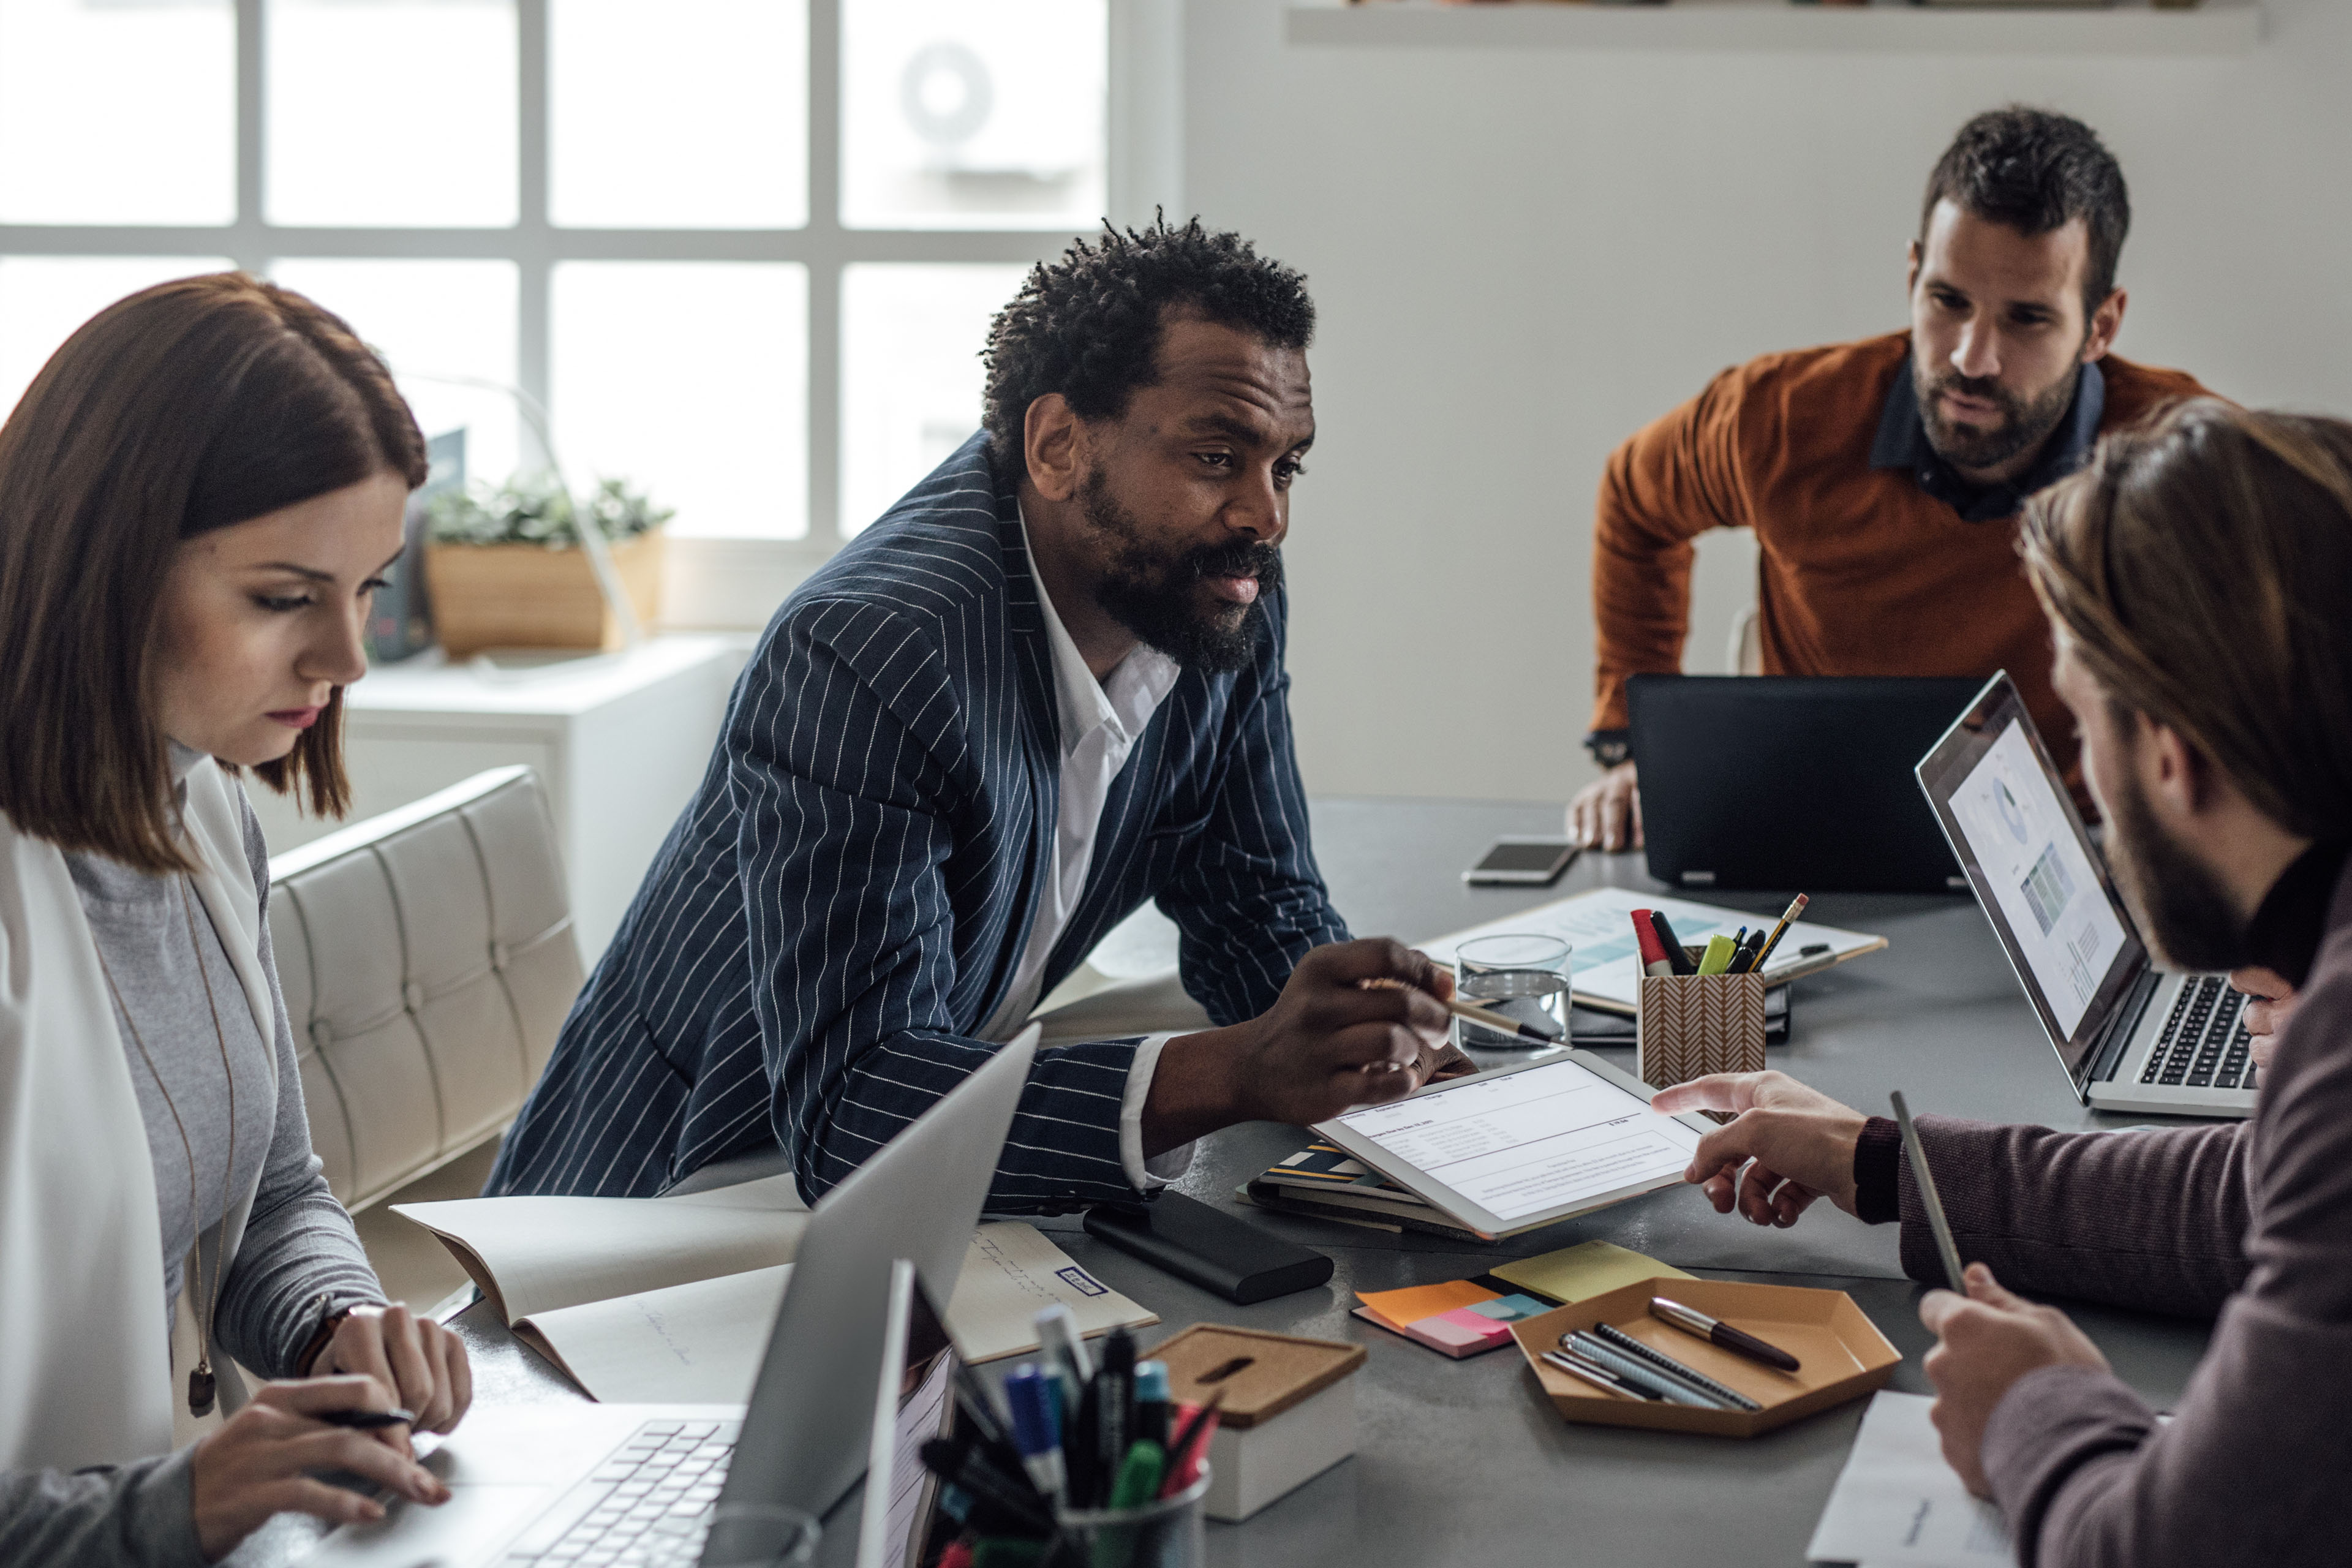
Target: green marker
x,y
1138,1484
1718,955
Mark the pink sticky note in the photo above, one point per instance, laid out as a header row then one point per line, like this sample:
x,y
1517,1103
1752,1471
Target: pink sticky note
x,y
1460,1332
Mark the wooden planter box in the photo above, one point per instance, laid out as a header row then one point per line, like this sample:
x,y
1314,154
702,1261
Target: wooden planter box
x,y
521,596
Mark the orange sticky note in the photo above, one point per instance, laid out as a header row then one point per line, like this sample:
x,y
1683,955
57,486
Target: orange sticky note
x,y
1412,1304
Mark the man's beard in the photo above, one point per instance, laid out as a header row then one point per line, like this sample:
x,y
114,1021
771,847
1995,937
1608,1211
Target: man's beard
x,y
1153,592
2024,425
2183,910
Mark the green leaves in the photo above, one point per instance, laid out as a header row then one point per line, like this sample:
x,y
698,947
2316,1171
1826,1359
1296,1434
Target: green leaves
x,y
535,509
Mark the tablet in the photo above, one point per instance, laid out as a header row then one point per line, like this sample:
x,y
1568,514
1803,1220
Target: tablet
x,y
1515,1149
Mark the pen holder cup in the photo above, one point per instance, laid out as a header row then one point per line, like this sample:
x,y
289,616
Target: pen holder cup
x,y
1688,1025
1168,1533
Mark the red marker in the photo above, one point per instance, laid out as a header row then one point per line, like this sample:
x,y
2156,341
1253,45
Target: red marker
x,y
1653,952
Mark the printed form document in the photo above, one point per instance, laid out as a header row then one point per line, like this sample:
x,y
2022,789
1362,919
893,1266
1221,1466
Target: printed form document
x,y
1898,1505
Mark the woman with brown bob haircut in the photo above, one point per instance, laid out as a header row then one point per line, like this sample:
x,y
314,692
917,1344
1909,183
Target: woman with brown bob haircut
x,y
198,494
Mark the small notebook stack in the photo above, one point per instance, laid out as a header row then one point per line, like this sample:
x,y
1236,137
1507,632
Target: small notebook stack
x,y
1460,1318
1325,1183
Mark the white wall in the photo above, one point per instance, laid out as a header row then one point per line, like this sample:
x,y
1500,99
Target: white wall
x,y
1520,257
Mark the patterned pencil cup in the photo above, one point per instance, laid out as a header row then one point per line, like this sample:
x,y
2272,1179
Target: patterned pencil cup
x,y
1688,1025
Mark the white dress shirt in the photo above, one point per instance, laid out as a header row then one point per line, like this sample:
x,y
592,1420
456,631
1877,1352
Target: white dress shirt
x,y
1100,722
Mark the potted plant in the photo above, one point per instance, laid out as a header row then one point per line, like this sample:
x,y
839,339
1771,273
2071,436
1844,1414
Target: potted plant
x,y
507,568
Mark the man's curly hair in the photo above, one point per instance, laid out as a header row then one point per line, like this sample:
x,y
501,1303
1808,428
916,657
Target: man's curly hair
x,y
1088,326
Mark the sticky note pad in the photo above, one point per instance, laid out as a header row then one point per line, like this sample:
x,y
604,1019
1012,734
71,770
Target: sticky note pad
x,y
1508,1309
1577,1273
1460,1332
1399,1308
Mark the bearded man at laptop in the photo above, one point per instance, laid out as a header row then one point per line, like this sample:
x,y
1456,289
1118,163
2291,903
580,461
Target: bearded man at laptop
x,y
2196,577
1883,478
1044,686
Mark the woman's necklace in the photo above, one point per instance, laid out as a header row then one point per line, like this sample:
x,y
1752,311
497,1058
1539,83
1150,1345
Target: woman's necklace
x,y
201,1381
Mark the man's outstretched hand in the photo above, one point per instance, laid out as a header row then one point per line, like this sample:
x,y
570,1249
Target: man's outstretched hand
x,y
1788,1146
1328,1042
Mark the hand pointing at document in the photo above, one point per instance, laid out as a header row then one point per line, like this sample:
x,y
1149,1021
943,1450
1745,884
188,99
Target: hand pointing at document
x,y
1786,1146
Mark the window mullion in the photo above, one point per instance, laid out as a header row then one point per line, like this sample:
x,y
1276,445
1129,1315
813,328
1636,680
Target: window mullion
x,y
247,239
824,246
533,242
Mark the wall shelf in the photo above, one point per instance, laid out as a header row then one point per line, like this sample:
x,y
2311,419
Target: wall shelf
x,y
2132,27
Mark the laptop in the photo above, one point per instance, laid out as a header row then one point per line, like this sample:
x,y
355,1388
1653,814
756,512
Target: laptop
x,y
2130,1038
569,1485
1783,783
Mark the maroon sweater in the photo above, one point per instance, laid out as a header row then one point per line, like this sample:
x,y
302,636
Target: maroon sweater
x,y
2251,1221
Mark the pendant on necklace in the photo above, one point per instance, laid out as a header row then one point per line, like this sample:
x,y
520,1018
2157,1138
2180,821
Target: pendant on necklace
x,y
200,1389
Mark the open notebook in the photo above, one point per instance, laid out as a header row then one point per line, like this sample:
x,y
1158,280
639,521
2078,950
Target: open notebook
x,y
670,1300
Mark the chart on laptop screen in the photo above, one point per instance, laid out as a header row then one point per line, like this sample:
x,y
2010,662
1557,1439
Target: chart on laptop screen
x,y
2049,893
1524,1143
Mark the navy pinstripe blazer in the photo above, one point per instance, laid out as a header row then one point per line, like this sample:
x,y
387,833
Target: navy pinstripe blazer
x,y
849,894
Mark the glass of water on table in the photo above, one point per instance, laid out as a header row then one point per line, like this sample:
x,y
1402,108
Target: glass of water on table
x,y
1521,978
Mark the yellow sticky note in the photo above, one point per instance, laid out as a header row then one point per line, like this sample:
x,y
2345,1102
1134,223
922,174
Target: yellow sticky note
x,y
1415,1302
1574,1273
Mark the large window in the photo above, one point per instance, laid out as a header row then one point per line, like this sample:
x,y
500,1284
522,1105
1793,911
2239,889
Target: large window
x,y
744,252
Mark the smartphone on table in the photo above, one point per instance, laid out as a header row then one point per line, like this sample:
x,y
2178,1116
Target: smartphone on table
x,y
1522,863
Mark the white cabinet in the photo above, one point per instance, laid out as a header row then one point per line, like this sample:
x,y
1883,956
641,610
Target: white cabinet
x,y
622,741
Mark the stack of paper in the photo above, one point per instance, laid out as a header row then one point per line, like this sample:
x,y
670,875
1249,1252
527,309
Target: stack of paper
x,y
670,1300
1897,1502
1325,1183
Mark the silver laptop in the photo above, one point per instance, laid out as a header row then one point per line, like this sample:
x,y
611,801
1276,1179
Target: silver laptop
x,y
2132,1038
614,1486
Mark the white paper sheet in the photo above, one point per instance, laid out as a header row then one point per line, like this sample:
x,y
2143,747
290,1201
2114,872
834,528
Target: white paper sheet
x,y
1605,965
533,1254
701,1341
1898,1505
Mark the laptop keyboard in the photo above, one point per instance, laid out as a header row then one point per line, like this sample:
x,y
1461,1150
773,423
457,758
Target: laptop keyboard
x,y
647,1504
2204,1044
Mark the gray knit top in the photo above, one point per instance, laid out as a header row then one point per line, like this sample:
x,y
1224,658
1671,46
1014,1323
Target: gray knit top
x,y
297,1243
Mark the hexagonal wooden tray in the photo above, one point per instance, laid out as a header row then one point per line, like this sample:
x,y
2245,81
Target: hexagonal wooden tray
x,y
1842,1353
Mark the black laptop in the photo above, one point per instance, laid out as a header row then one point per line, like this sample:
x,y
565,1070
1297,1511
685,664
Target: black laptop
x,y
1793,783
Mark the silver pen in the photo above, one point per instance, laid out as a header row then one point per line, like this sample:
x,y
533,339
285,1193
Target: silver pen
x,y
1925,1179
1594,1375
1593,1348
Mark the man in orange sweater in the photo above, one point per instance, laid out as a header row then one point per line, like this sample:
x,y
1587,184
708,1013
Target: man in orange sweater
x,y
1884,478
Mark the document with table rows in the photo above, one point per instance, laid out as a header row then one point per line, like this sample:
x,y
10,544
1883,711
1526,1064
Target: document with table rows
x,y
1528,1141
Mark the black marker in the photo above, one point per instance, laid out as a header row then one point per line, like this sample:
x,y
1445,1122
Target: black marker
x,y
366,1420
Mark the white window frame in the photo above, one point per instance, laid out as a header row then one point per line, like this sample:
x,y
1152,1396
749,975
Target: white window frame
x,y
715,582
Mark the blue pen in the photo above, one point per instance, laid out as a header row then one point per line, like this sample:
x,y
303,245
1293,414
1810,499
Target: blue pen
x,y
1035,1397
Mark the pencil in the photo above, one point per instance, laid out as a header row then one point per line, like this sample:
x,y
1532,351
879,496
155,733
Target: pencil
x,y
1946,1248
1796,907
1500,1023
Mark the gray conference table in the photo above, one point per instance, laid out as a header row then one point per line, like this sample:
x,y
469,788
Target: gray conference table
x,y
1464,1461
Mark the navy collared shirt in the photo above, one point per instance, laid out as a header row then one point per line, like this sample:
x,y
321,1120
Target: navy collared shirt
x,y
1902,443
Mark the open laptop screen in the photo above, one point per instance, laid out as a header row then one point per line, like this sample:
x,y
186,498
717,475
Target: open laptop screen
x,y
2040,882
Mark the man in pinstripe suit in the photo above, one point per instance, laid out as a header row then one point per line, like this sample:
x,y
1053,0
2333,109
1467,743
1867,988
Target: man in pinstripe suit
x,y
1044,686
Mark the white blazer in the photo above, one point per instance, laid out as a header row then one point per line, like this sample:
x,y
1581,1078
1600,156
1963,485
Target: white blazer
x,y
85,1356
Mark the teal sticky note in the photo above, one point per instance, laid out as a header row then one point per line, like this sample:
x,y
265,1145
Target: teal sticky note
x,y
1510,1308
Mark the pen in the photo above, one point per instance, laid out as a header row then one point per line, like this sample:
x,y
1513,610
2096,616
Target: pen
x,y
1653,952
1501,1023
1114,1390
1151,1404
1945,1247
1796,907
1594,1349
1058,1338
1594,1375
992,1492
1659,1360
1139,1477
1035,1427
1186,1455
1714,1331
366,1420
1718,955
1812,949
1671,943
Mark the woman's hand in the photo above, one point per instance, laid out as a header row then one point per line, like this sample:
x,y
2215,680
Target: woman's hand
x,y
421,1363
256,1464
2272,999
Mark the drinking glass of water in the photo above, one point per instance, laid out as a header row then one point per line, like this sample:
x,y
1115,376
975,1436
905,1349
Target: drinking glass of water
x,y
1521,978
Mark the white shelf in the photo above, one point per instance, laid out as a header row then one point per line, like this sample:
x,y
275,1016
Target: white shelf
x,y
2132,27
